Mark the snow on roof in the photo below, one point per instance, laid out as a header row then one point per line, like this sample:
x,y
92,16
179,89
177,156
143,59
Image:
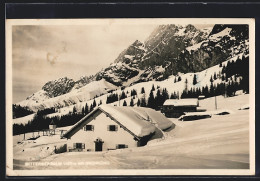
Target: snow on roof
x,y
130,119
133,119
138,120
181,102
194,115
154,117
52,122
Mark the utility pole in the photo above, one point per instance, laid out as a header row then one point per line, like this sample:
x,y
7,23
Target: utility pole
x,y
119,99
186,85
216,107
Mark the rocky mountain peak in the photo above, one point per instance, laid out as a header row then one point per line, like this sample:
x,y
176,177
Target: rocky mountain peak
x,y
58,87
190,27
133,52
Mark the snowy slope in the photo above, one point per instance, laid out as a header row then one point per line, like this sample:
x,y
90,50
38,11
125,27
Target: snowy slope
x,y
23,120
220,142
79,97
87,92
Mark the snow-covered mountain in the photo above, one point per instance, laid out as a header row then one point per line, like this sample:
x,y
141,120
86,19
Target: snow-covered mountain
x,y
150,60
171,51
42,98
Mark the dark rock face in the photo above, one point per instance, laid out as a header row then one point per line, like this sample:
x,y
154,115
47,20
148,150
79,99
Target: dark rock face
x,y
58,87
83,81
151,60
133,52
218,47
174,48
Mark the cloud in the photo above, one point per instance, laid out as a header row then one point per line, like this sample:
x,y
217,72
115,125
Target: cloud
x,y
42,53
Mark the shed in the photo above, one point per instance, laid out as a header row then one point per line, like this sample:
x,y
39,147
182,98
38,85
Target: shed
x,y
176,107
52,125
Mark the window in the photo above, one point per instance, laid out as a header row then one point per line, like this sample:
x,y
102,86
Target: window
x,y
120,146
112,127
88,128
79,145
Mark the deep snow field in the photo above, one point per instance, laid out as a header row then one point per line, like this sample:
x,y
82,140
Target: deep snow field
x,y
219,142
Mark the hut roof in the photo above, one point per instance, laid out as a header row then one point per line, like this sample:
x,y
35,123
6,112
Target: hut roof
x,y
181,102
52,123
133,119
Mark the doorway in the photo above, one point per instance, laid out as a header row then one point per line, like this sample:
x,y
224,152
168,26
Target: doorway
x,y
98,144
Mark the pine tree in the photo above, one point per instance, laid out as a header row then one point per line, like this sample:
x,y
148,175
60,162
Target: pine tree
x,y
211,79
142,91
151,100
74,109
108,99
83,110
215,76
143,102
223,77
91,108
138,102
124,104
94,103
86,108
205,91
153,88
158,99
165,96
123,95
220,65
212,90
175,95
132,102
100,102
194,80
179,79
175,80
133,92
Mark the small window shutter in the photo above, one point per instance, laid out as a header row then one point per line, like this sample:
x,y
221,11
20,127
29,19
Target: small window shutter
x,y
108,127
126,146
116,127
117,146
92,127
84,128
83,145
74,145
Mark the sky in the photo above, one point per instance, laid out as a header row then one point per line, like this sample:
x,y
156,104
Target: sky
x,y
41,53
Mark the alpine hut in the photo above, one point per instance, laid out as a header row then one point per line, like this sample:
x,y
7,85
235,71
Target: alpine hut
x,y
110,127
174,108
52,125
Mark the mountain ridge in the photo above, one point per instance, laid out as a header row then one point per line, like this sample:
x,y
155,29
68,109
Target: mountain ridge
x,y
168,51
